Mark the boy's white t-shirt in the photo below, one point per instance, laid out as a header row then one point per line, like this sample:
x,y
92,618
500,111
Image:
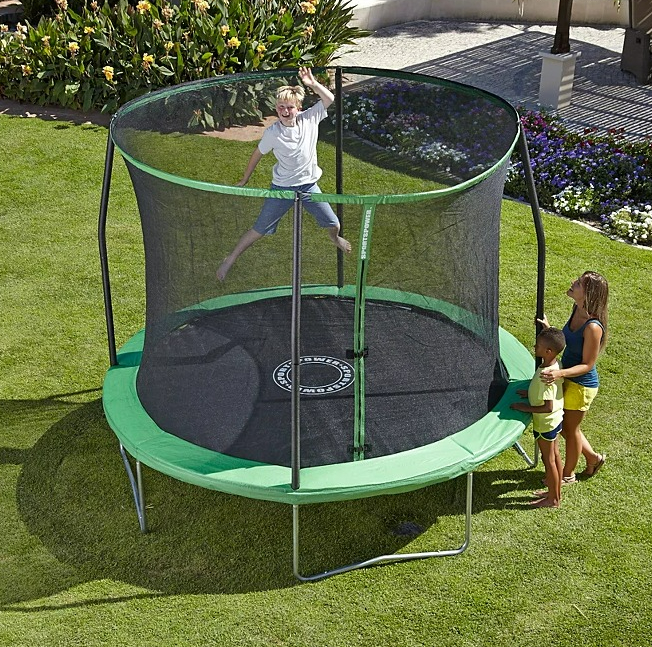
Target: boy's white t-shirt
x,y
295,148
538,392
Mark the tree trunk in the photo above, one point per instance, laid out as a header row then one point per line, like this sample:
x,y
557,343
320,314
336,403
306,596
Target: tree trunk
x,y
562,34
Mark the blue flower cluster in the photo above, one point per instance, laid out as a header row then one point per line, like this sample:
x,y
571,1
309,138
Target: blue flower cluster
x,y
604,179
458,134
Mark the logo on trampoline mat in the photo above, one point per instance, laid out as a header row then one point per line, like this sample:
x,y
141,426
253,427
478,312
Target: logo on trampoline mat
x,y
324,375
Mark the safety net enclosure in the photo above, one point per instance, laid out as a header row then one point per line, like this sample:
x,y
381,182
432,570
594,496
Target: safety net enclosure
x,y
405,374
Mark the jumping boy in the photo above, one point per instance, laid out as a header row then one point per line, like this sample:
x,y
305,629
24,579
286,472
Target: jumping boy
x,y
546,404
293,140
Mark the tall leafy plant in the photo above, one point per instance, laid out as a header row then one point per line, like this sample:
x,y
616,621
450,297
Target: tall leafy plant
x,y
105,55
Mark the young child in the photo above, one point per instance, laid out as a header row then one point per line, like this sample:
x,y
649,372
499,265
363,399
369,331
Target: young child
x,y
546,404
293,140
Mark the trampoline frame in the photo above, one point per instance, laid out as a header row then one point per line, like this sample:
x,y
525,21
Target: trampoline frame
x,y
139,500
136,481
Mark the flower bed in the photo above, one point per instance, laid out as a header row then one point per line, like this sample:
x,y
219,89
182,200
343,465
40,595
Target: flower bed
x,y
107,54
422,122
601,179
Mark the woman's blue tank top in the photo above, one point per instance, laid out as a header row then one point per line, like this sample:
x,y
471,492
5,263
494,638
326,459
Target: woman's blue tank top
x,y
573,353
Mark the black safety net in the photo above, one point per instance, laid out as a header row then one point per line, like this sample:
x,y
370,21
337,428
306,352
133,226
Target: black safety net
x,y
415,168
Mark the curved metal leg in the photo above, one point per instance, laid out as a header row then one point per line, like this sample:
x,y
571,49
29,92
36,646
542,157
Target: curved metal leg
x,y
136,488
397,557
523,454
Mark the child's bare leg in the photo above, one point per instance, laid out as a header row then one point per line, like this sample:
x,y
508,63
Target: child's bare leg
x,y
558,466
338,241
553,480
245,242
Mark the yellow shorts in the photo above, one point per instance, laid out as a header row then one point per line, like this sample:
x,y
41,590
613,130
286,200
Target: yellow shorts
x,y
578,397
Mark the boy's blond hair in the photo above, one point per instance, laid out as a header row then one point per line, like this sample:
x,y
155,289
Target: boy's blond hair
x,y
291,94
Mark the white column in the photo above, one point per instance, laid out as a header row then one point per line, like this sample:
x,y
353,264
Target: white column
x,y
557,74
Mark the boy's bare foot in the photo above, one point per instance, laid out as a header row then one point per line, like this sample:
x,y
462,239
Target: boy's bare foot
x,y
342,243
223,269
545,503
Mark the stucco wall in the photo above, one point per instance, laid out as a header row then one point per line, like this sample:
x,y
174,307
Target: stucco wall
x,y
373,14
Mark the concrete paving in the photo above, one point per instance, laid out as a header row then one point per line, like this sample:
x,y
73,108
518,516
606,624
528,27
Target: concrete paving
x,y
506,59
498,57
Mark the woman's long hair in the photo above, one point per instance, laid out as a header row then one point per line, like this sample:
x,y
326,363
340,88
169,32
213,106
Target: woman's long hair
x,y
596,296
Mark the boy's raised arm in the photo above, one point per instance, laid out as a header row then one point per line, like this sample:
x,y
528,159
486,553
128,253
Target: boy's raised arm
x,y
309,81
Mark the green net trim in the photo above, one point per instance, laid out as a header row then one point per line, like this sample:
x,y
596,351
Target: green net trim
x,y
333,198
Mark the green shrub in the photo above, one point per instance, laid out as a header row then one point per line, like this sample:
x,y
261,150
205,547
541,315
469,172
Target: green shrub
x,y
106,55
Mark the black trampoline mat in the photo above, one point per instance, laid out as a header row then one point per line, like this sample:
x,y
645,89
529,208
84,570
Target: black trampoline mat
x,y
221,380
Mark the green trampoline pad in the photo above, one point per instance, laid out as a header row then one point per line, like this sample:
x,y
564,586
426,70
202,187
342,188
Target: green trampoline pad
x,y
445,459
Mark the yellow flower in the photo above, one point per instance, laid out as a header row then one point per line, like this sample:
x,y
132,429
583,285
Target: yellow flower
x,y
201,5
89,30
168,46
46,41
308,31
307,7
108,72
233,42
143,6
27,70
261,49
167,12
157,23
73,47
94,6
148,59
62,4
4,28
224,29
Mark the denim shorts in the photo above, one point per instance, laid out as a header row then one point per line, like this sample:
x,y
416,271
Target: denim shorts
x,y
548,435
275,208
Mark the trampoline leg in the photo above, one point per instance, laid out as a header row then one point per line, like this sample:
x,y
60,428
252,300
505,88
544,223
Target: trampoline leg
x,y
136,488
523,454
397,557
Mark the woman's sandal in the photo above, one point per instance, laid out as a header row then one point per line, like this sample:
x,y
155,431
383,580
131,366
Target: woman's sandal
x,y
595,467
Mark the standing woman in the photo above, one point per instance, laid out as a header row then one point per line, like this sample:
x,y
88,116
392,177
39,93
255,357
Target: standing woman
x,y
586,335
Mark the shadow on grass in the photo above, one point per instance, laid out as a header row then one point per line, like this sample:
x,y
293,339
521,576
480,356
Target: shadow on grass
x,y
74,496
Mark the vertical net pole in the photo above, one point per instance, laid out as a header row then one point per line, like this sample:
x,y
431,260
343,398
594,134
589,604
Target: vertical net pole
x,y
339,177
359,421
295,334
104,259
538,224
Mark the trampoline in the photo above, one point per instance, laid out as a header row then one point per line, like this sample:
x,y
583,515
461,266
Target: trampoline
x,y
309,376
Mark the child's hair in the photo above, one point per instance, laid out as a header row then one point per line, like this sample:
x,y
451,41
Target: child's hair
x,y
553,338
596,295
291,94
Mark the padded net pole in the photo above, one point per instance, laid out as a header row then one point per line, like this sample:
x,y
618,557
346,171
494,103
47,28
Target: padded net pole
x,y
104,259
359,351
339,177
296,342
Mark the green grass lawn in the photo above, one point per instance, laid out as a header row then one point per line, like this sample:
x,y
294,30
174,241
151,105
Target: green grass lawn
x,y
216,570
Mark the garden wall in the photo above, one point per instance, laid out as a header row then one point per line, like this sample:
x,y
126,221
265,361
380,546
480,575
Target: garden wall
x,y
374,14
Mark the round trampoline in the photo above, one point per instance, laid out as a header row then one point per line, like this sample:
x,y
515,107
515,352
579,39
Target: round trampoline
x,y
309,375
